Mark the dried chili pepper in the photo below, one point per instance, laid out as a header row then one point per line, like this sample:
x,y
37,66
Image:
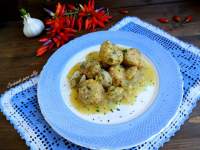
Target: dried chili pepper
x,y
67,19
86,23
58,9
62,11
72,21
123,11
79,23
57,41
71,6
43,40
187,19
163,20
41,50
176,18
99,18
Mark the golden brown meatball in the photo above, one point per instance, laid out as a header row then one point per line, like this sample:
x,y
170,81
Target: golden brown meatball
x,y
132,57
93,56
90,68
104,78
118,75
110,54
115,93
91,92
130,72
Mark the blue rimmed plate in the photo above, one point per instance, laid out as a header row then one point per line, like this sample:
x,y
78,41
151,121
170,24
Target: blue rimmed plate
x,y
150,115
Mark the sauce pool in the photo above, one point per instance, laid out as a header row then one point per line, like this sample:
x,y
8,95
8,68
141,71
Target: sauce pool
x,y
145,76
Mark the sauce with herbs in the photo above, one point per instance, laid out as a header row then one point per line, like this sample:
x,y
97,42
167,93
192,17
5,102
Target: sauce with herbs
x,y
145,76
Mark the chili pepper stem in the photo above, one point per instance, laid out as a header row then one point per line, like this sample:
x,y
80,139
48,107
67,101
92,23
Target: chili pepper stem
x,y
71,13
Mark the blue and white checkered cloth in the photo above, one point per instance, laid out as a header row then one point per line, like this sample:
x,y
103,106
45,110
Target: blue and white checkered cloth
x,y
20,106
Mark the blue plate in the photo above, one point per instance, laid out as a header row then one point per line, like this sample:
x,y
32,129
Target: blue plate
x,y
116,136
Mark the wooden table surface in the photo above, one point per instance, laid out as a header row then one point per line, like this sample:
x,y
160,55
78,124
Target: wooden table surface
x,y
17,58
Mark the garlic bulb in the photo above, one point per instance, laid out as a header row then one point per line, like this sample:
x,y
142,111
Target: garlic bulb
x,y
32,26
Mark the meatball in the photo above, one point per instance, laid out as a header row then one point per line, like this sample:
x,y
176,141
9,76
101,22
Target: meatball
x,y
105,78
118,75
75,79
90,68
131,57
93,56
115,93
91,92
130,72
110,54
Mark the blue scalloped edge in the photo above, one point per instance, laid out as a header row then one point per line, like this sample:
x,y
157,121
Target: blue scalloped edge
x,y
20,130
180,124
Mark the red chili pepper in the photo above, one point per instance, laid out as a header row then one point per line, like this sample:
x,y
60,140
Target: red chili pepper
x,y
67,20
79,22
100,24
105,18
163,20
81,14
69,30
123,11
90,24
71,6
63,36
62,42
51,45
49,22
86,24
84,8
62,11
62,27
94,23
43,40
91,4
187,19
176,18
56,41
72,21
41,50
58,9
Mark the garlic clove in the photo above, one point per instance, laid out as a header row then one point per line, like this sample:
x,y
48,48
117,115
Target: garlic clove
x,y
32,26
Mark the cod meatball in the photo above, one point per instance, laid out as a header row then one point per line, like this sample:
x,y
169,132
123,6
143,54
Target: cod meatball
x,y
110,54
90,68
91,92
75,79
130,72
115,93
118,75
104,78
132,57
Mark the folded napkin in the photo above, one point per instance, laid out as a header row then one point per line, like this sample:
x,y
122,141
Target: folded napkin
x,y
20,106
